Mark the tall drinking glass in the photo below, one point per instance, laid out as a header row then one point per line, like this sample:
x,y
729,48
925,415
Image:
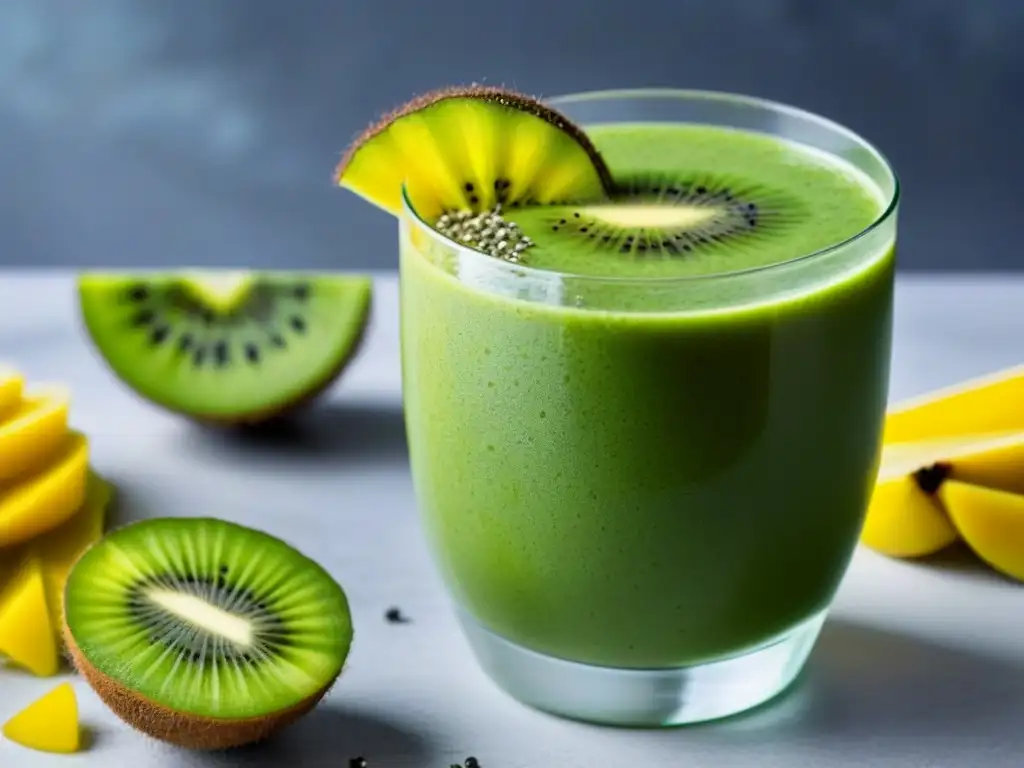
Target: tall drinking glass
x,y
643,491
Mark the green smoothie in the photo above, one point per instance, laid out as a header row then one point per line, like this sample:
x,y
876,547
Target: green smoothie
x,y
654,488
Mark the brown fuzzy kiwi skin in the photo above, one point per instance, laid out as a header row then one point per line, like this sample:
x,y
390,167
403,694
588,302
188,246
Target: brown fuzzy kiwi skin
x,y
286,409
179,728
487,93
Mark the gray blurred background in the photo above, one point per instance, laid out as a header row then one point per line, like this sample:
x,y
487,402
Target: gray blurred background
x,y
204,132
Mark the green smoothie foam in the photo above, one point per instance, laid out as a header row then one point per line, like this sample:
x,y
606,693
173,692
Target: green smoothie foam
x,y
655,489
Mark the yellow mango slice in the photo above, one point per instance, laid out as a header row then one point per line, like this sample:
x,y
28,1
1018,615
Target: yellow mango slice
x,y
60,548
11,385
990,521
43,501
991,403
904,519
27,636
998,465
50,724
33,434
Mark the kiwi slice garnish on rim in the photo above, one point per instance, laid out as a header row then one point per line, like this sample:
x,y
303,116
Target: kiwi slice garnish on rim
x,y
507,175
204,633
473,149
230,348
663,215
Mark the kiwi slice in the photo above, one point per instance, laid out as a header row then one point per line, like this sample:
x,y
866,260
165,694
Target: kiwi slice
x,y
203,633
473,148
233,348
660,216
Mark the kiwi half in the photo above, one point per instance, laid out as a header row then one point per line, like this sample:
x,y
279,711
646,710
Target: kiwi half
x,y
232,348
203,633
473,148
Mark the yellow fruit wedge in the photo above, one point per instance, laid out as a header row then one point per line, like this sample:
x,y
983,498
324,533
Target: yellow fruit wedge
x,y
60,548
990,521
50,724
904,519
27,636
11,385
998,465
991,403
43,501
32,435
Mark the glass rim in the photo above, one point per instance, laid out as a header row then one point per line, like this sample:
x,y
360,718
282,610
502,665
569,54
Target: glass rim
x,y
685,94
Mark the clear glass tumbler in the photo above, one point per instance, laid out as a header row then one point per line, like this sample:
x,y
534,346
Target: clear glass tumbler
x,y
644,492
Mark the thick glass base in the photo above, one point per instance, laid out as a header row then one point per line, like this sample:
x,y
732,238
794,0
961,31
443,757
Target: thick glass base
x,y
644,698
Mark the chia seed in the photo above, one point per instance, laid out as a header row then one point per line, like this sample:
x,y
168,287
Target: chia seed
x,y
487,231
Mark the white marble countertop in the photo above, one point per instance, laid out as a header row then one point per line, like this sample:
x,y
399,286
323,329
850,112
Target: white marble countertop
x,y
920,666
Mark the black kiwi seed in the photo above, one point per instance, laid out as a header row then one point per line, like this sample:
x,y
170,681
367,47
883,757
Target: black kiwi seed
x,y
220,352
198,355
252,352
143,317
297,323
185,342
394,615
159,335
138,293
301,292
277,340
